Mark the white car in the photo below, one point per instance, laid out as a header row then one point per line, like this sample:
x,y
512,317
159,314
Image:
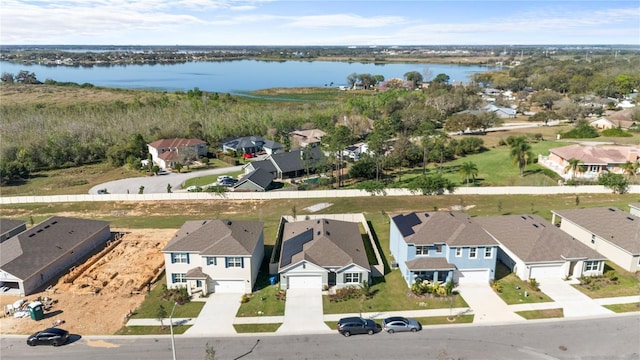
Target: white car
x,y
194,188
222,178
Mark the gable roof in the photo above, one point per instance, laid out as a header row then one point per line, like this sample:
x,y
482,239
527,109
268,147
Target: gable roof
x,y
175,143
451,228
534,239
259,177
600,155
28,252
216,237
251,141
307,136
610,224
263,164
292,160
324,242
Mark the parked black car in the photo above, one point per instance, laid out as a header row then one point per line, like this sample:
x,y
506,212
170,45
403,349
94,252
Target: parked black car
x,y
356,325
50,336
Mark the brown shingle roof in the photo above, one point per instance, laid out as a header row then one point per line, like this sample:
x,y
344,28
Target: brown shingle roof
x,y
422,263
600,155
216,237
36,248
451,228
613,225
326,243
175,143
534,239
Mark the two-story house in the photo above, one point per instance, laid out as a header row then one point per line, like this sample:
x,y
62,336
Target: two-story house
x,y
167,152
220,256
442,246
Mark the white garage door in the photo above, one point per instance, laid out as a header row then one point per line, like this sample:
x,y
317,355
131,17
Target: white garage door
x,y
228,286
473,277
305,282
541,272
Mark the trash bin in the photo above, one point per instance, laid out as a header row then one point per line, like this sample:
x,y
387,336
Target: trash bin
x,y
36,310
272,279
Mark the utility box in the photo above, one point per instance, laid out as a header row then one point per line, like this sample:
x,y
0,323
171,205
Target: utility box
x,y
36,310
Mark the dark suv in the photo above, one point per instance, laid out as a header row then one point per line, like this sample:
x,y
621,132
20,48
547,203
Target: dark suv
x,y
356,325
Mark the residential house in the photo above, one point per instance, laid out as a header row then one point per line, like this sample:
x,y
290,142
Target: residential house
x,y
533,248
322,253
502,112
220,256
257,180
9,228
291,164
442,246
624,118
354,151
602,123
634,209
304,138
166,153
594,160
612,232
252,145
34,258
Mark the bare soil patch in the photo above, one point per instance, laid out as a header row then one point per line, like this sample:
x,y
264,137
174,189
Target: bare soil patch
x,y
103,290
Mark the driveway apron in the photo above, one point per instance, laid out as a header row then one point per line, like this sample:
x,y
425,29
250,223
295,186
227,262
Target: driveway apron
x,y
303,313
486,305
572,301
217,315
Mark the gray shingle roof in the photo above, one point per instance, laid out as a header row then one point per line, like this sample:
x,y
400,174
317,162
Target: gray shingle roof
x,y
423,263
260,177
6,225
326,243
534,239
292,160
264,164
216,237
613,225
451,228
36,248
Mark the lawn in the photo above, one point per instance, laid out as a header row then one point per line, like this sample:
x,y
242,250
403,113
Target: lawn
x,y
514,288
621,308
627,284
209,179
390,294
149,307
256,328
541,314
444,320
263,300
152,330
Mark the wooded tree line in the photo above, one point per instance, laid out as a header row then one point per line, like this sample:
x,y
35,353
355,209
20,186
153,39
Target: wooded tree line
x,y
46,136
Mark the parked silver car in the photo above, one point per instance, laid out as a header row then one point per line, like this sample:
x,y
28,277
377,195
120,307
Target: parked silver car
x,y
398,324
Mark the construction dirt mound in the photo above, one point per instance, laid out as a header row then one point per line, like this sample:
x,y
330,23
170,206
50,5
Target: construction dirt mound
x,y
96,297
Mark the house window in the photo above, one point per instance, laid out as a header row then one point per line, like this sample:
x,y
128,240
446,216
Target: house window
x,y
178,278
237,262
473,253
593,238
422,250
439,249
211,260
182,258
488,252
352,278
458,252
591,265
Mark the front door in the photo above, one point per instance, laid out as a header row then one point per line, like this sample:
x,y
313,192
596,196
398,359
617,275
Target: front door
x,y
332,278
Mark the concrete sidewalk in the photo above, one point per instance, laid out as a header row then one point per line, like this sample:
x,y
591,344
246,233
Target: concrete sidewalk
x,y
487,306
573,302
217,315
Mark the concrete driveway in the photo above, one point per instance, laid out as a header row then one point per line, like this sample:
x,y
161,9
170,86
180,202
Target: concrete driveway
x,y
158,183
573,302
487,306
217,315
303,313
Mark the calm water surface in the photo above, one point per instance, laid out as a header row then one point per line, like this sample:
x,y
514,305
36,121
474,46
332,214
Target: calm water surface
x,y
233,76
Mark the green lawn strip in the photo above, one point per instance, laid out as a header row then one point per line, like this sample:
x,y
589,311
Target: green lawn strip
x,y
256,328
390,294
626,285
443,320
208,179
263,300
514,288
621,308
149,307
152,330
541,314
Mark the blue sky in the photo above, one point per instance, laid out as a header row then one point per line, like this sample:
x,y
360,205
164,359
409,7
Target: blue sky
x,y
315,22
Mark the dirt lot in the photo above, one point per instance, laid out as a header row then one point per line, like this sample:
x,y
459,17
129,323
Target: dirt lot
x,y
104,289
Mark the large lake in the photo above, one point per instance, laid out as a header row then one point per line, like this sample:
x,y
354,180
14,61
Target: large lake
x,y
234,76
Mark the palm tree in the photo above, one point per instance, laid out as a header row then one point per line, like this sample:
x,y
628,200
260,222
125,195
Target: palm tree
x,y
521,153
468,170
574,165
630,167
